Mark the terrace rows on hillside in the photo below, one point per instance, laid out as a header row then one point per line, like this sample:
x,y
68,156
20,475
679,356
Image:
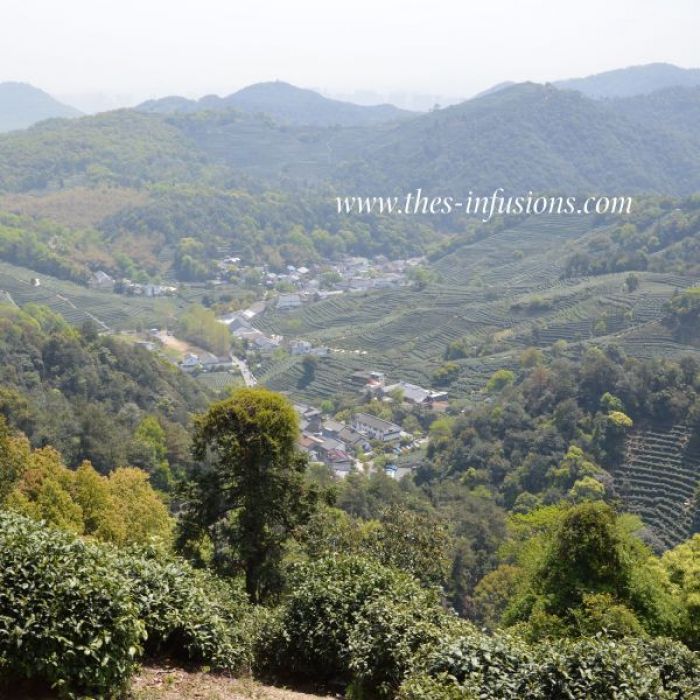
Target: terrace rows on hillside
x,y
658,480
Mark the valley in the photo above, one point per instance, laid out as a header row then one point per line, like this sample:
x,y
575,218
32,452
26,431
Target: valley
x,y
250,441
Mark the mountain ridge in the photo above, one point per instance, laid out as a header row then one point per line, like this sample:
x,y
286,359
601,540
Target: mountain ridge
x,y
22,105
284,102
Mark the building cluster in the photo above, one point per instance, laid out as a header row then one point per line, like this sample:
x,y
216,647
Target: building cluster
x,y
313,282
102,280
241,327
205,362
338,444
373,382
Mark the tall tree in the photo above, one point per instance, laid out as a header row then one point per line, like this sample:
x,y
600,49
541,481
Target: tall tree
x,y
248,490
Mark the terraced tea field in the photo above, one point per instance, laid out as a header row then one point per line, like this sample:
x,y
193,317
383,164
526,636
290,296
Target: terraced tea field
x,y
77,303
74,302
659,479
497,296
220,382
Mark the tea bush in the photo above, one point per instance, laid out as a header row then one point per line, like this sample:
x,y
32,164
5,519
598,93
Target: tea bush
x,y
189,614
390,631
349,616
67,615
78,614
634,669
326,599
485,666
502,667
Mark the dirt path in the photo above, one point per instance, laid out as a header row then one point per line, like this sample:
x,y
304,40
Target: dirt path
x,y
155,683
181,347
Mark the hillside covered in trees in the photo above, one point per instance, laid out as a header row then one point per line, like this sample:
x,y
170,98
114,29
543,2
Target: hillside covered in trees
x,y
122,190
383,457
271,569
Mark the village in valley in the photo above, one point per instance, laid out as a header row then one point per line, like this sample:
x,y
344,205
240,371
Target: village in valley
x,y
295,285
362,440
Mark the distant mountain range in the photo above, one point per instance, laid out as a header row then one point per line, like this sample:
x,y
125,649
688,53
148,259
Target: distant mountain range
x,y
524,137
636,80
22,105
283,102
622,82
521,137
531,136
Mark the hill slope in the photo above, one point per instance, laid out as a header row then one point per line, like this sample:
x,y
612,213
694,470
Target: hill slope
x,y
530,137
285,103
22,105
635,80
526,137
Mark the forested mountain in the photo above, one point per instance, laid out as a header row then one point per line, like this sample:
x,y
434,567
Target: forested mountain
x,y
285,103
523,137
531,137
635,80
542,541
675,110
126,181
118,148
22,105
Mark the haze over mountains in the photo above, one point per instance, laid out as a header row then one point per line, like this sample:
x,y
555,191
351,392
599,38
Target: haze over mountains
x,y
525,137
635,80
22,105
283,102
521,137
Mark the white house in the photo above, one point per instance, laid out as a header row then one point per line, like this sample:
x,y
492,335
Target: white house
x,y
412,393
265,343
190,362
376,428
101,280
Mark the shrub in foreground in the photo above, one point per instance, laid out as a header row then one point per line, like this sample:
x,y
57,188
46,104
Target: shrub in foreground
x,y
189,614
66,612
478,666
77,614
325,601
634,669
390,631
347,617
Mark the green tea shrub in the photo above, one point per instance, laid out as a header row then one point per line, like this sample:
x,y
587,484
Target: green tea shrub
x,y
67,615
634,669
480,665
327,599
78,614
390,631
189,614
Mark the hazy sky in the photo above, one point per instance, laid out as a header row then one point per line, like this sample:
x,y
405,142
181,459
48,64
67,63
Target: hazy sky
x,y
130,50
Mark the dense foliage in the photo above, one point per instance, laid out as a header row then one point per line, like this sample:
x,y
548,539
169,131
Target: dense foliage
x,y
476,666
660,235
78,615
558,429
93,397
247,494
122,508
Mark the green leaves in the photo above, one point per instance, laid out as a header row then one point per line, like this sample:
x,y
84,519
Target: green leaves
x,y
477,666
249,493
78,615
66,613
